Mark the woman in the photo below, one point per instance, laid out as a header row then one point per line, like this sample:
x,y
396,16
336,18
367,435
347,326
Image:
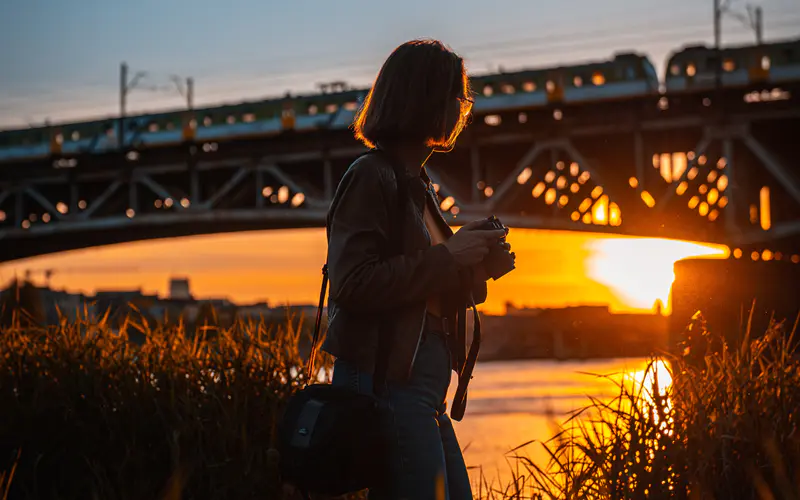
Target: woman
x,y
418,105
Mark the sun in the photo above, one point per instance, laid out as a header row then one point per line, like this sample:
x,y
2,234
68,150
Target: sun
x,y
640,270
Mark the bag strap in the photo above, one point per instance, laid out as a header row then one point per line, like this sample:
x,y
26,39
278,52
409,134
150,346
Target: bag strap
x,y
396,241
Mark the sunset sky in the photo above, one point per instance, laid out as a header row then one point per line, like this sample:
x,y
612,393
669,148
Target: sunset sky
x,y
64,63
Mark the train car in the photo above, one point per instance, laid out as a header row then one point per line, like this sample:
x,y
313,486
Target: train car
x,y
696,68
625,76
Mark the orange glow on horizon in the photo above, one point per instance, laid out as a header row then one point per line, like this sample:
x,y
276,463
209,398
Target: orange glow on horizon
x,y
554,269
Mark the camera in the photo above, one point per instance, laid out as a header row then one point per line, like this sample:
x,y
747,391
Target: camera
x,y
500,261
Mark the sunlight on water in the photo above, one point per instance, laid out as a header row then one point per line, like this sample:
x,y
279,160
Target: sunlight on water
x,y
514,402
640,270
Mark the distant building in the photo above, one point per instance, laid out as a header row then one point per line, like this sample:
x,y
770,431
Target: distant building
x,y
179,289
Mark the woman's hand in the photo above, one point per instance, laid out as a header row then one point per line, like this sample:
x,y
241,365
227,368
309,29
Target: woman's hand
x,y
469,246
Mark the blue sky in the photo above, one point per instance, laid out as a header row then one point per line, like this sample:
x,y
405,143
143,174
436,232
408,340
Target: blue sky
x,y
61,58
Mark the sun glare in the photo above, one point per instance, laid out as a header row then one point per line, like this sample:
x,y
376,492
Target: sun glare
x,y
640,270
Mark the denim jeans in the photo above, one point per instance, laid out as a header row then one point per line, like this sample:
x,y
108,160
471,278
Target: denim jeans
x,y
425,457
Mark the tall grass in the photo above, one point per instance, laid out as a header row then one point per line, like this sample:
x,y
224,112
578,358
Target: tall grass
x,y
718,422
84,413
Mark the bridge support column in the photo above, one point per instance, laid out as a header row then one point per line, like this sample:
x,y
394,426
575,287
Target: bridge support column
x,y
259,188
19,205
133,194
194,183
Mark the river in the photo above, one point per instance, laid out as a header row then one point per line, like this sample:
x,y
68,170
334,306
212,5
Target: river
x,y
513,402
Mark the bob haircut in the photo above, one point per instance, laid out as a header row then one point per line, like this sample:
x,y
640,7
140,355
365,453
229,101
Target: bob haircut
x,y
412,96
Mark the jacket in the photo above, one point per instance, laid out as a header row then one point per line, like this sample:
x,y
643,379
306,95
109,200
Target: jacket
x,y
370,293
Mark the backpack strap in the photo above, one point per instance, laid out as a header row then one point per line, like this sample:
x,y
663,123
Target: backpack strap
x,y
396,241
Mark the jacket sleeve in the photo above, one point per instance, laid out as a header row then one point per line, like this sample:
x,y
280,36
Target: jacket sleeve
x,y
359,227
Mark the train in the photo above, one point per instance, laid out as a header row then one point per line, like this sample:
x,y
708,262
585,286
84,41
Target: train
x,y
625,75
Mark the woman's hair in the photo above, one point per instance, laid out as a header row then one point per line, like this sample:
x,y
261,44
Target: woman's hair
x,y
412,96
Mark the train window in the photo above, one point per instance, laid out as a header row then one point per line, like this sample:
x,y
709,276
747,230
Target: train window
x,y
248,117
231,119
675,70
59,138
350,106
207,121
76,136
598,78
153,127
577,81
313,110
488,90
550,86
507,88
728,65
170,126
691,70
529,87
492,120
765,63
331,108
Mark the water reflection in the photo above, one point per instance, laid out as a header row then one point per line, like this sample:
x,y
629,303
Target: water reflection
x,y
514,402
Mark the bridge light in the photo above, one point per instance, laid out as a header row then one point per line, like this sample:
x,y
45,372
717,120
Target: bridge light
x,y
587,218
597,191
558,115
435,187
574,188
713,196
648,199
522,118
32,217
561,183
26,224
766,221
488,192
755,255
574,169
273,198
266,192
701,160
722,183
298,199
283,194
130,213
712,176
158,203
692,173
766,255
550,196
62,207
480,185
585,205
447,203
712,216
663,104
492,120
703,189
538,190
690,155
796,259
778,256
682,187
703,209
529,86
524,176
693,201
2,216
706,102
600,211
585,176
45,218
614,214
560,165
563,200
549,176
132,156
455,210
691,69
753,214
82,204
737,253
598,78
185,202
723,202
575,216
633,182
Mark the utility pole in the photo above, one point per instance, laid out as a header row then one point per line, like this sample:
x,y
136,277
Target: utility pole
x,y
759,26
717,42
190,93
